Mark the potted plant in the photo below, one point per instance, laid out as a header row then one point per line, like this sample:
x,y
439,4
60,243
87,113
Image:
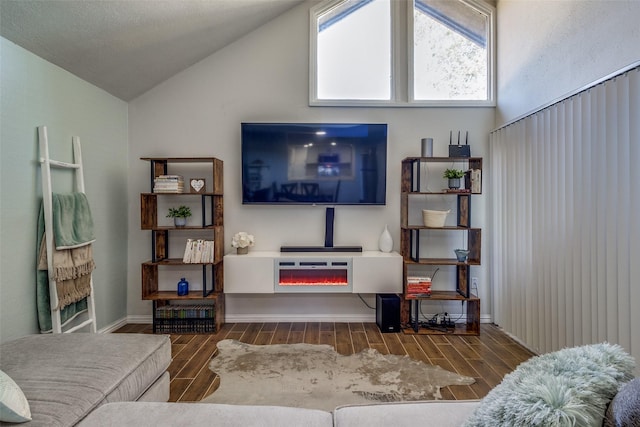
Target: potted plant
x,y
179,215
453,175
242,241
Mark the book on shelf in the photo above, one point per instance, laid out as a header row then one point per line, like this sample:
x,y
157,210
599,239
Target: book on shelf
x,y
168,184
198,251
202,311
418,287
416,296
168,190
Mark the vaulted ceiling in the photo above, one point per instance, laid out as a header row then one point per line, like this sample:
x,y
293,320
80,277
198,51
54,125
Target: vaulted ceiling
x,y
126,47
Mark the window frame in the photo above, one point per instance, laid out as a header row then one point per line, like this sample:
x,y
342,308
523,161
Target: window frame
x,y
481,7
314,13
402,74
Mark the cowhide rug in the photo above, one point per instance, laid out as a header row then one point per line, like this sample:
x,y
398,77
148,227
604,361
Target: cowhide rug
x,y
316,377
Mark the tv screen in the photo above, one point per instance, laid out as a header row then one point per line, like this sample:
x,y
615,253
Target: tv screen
x,y
314,163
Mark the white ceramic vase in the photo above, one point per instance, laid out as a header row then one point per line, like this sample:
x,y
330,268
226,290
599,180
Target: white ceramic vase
x,y
385,242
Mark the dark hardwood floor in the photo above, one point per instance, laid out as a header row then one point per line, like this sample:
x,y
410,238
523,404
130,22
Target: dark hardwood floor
x,y
487,357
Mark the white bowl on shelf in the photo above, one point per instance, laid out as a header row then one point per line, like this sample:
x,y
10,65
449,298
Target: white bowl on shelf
x,y
435,219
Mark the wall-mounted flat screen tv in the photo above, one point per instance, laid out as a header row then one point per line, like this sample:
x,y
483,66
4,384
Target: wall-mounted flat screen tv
x,y
314,163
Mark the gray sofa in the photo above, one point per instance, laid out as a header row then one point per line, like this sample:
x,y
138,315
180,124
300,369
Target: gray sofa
x,y
405,414
623,411
65,377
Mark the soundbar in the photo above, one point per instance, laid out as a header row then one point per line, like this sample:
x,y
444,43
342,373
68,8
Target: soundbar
x,y
320,248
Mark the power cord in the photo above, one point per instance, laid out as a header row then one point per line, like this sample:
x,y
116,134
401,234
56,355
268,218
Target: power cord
x,y
440,321
461,313
365,303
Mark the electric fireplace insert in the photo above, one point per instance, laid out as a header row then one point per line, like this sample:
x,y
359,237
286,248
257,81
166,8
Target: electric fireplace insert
x,y
313,275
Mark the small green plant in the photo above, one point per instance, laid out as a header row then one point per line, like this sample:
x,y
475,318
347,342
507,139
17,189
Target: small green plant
x,y
453,173
179,212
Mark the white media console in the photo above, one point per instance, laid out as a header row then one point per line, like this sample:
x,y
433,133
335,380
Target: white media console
x,y
268,272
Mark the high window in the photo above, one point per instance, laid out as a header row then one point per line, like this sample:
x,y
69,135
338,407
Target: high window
x,y
362,52
354,50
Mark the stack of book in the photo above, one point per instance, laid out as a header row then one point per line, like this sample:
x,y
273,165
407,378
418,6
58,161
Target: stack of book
x,y
187,319
418,287
168,184
198,251
185,312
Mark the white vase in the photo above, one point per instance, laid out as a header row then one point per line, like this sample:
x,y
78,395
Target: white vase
x,y
385,242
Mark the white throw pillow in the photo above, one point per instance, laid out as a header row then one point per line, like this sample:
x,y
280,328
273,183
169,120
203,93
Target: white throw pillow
x,y
14,407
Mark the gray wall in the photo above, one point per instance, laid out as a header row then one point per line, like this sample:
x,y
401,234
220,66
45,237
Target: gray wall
x,y
548,48
33,93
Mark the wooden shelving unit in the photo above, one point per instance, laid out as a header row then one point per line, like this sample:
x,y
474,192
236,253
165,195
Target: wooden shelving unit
x,y
410,243
210,228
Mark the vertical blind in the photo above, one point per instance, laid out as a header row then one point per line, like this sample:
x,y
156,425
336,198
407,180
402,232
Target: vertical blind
x,y
565,215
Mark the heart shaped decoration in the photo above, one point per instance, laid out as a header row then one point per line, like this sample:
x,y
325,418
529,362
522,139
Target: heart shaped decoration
x,y
197,184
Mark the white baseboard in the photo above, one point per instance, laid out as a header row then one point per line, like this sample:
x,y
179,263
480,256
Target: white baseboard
x,y
248,318
114,326
146,319
275,318
518,340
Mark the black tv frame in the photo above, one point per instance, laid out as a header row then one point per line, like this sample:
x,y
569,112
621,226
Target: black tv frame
x,y
380,182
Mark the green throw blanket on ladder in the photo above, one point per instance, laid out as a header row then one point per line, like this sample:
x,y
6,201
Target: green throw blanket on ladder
x,y
72,258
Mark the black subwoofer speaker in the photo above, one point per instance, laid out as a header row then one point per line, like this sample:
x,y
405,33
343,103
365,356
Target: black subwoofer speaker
x,y
388,312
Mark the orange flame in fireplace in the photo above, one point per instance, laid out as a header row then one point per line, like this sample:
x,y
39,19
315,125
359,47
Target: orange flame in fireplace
x,y
313,278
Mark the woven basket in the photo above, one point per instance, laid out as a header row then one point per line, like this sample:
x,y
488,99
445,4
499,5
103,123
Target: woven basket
x,y
434,219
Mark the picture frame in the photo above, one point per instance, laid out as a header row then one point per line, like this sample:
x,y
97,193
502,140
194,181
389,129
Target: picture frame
x,y
197,185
